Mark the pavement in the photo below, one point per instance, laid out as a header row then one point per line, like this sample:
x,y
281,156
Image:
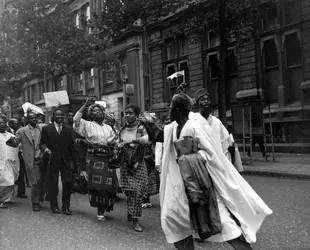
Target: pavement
x,y
283,165
288,228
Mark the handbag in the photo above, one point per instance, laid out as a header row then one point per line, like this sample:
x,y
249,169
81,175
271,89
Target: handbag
x,y
79,184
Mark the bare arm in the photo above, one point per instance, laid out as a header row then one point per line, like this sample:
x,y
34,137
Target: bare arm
x,y
78,116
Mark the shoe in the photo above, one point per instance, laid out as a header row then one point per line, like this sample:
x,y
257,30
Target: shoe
x,y
129,218
148,205
22,196
101,217
136,226
144,205
66,210
36,207
3,205
55,211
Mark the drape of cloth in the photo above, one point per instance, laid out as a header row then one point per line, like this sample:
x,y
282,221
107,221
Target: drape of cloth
x,y
104,198
217,130
220,136
236,194
9,161
6,193
203,206
134,204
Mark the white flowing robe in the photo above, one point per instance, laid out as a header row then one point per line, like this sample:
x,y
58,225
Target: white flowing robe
x,y
9,161
232,190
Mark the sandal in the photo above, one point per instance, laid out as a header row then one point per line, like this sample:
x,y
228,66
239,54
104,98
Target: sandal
x,y
101,217
3,205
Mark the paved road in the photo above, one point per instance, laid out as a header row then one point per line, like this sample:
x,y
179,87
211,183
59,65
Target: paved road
x,y
21,229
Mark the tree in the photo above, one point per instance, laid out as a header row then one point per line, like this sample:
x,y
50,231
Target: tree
x,y
40,36
121,16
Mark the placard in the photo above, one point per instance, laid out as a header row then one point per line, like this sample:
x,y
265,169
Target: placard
x,y
56,99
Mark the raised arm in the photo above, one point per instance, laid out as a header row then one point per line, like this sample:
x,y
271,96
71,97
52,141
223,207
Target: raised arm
x,y
78,116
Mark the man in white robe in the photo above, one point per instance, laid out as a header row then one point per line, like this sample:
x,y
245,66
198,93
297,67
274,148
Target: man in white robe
x,y
242,211
220,135
9,164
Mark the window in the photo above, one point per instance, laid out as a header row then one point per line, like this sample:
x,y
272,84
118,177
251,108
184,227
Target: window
x,y
77,20
270,54
214,39
90,78
61,84
183,47
170,69
87,13
80,82
34,93
269,20
123,68
176,52
171,50
291,12
292,50
183,66
110,70
215,70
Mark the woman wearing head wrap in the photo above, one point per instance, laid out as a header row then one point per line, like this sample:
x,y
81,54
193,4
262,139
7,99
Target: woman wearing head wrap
x,y
134,177
97,135
9,163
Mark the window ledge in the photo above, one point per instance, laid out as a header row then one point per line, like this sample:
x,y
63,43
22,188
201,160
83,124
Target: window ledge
x,y
272,67
294,66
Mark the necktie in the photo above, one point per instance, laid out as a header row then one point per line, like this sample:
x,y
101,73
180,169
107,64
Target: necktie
x,y
59,129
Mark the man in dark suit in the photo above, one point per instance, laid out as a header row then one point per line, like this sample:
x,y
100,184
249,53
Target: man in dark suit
x,y
57,141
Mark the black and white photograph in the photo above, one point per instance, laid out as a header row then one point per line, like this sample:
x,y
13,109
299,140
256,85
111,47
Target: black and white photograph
x,y
154,124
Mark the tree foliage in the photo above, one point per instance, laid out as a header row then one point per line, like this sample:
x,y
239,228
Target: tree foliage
x,y
40,36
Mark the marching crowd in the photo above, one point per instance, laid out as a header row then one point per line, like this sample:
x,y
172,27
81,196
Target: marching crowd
x,y
189,158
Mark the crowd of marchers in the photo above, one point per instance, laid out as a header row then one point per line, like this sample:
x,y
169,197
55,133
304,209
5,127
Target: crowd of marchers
x,y
189,158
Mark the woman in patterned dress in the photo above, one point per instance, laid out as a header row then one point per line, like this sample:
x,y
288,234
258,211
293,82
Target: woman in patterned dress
x,y
134,177
98,135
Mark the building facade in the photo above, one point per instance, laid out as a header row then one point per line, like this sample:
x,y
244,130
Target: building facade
x,y
271,72
117,82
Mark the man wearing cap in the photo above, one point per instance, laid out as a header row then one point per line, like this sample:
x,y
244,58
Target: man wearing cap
x,y
242,211
219,133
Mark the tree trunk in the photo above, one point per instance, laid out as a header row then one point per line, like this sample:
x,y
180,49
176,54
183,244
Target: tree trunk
x,y
223,62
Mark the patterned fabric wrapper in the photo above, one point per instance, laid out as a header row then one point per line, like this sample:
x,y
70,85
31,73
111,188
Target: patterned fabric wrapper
x,y
101,178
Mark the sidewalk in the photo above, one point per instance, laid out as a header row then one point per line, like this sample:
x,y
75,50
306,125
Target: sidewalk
x,y
285,165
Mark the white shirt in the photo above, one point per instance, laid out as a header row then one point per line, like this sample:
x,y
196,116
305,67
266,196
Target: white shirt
x,y
58,126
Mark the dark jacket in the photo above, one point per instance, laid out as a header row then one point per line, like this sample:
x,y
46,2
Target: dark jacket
x,y
204,212
61,146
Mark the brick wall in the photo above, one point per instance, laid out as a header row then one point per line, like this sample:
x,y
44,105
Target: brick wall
x,y
195,66
157,75
246,67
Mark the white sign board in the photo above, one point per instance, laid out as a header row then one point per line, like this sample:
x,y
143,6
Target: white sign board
x,y
34,108
56,99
